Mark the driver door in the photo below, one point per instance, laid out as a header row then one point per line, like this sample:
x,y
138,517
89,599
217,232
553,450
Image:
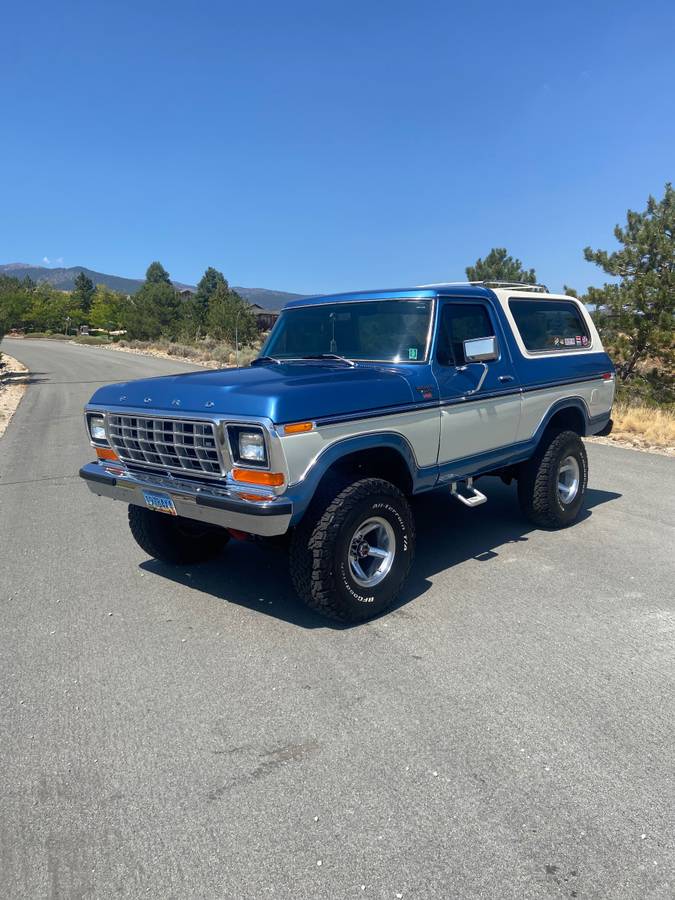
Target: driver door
x,y
480,404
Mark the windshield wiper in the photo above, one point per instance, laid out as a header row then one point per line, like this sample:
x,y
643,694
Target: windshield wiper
x,y
265,359
330,356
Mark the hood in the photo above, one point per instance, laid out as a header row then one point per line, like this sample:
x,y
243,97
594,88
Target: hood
x,y
282,393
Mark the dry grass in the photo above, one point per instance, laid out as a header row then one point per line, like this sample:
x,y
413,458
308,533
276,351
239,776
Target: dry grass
x,y
209,353
656,425
644,427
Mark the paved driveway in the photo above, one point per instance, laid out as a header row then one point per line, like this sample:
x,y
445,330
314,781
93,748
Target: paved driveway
x,y
506,732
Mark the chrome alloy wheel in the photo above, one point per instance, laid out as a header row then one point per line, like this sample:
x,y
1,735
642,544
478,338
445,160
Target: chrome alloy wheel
x,y
568,480
371,552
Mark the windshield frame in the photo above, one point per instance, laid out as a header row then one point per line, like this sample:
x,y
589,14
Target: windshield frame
x,y
391,362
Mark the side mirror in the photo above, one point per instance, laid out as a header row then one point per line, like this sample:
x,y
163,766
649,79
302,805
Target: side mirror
x,y
481,349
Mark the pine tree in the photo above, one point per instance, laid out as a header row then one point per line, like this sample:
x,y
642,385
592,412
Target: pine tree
x,y
154,310
229,314
157,274
499,266
208,283
83,292
636,316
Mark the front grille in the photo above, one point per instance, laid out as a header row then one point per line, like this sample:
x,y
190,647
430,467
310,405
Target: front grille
x,y
175,444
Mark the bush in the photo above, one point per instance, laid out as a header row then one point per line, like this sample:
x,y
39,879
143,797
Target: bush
x,y
184,350
652,388
206,350
39,335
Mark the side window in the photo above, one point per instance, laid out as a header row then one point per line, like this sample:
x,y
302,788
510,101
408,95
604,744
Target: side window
x,y
460,322
546,325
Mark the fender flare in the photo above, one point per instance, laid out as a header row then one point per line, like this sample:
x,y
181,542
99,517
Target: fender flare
x,y
577,403
303,490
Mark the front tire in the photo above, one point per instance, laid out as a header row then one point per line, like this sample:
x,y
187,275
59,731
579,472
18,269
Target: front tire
x,y
552,485
350,560
175,539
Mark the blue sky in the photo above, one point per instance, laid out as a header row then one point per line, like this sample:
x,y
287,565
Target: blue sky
x,y
314,147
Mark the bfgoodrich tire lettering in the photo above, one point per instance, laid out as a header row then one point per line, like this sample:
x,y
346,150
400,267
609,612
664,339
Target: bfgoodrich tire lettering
x,y
541,498
174,539
320,551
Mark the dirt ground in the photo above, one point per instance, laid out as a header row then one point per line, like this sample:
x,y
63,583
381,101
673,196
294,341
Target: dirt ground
x,y
13,381
632,442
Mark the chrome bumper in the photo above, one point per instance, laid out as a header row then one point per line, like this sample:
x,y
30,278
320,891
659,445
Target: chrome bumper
x,y
203,502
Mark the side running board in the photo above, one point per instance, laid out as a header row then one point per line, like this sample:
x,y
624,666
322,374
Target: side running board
x,y
472,498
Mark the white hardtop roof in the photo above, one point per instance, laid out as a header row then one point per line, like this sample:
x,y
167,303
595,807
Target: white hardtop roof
x,y
505,289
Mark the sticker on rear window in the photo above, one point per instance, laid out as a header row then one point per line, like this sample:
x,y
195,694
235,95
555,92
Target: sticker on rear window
x,y
412,352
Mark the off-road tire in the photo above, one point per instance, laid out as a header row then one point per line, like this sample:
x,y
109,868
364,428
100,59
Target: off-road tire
x,y
320,544
174,539
538,481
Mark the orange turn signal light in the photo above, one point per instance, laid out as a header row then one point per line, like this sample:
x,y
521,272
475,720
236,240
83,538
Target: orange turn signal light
x,y
106,453
298,428
250,476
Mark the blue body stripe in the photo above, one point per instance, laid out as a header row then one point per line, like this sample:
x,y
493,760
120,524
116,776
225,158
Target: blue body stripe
x,y
452,401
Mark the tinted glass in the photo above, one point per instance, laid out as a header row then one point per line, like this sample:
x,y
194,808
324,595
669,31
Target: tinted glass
x,y
390,330
550,325
461,322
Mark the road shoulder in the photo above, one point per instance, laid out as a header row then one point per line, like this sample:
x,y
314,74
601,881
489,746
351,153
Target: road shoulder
x,y
13,383
632,442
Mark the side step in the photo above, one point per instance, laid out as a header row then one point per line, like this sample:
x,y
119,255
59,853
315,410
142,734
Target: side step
x,y
475,498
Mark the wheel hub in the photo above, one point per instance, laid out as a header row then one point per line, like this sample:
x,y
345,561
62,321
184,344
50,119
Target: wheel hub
x,y
362,549
371,552
568,479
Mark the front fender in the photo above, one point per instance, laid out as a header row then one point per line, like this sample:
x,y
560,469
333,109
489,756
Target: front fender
x,y
302,492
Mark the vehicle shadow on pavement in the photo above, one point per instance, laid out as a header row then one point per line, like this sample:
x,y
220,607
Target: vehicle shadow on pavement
x,y
256,577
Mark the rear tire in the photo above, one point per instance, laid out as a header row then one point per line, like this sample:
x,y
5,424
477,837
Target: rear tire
x,y
552,485
350,560
174,539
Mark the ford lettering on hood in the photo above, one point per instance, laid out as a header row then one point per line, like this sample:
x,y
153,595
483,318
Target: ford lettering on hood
x,y
282,393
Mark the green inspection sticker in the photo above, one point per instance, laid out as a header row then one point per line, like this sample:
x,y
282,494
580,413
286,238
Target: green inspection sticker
x,y
412,352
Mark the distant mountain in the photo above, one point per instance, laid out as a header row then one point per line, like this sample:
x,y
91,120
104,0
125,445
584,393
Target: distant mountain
x,y
64,280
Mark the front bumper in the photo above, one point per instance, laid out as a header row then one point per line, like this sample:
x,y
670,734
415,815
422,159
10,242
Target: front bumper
x,y
203,502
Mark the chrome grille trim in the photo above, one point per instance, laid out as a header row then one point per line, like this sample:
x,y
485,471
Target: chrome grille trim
x,y
179,445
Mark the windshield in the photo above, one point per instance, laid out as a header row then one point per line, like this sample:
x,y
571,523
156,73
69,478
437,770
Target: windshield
x,y
378,330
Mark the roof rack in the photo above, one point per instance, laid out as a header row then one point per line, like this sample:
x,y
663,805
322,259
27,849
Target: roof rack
x,y
515,285
520,285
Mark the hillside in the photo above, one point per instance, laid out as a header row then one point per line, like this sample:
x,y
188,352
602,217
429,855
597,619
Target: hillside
x,y
64,278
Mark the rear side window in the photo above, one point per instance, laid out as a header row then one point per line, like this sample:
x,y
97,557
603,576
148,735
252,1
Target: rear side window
x,y
550,325
461,322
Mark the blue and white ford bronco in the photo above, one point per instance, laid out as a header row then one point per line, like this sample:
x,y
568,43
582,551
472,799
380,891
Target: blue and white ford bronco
x,y
357,402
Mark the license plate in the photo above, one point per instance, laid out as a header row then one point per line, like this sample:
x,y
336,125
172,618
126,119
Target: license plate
x,y
160,502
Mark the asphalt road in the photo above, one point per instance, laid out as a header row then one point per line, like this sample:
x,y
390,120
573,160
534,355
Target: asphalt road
x,y
506,732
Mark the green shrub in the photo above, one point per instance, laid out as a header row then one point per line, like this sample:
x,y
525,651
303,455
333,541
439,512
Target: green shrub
x,y
39,335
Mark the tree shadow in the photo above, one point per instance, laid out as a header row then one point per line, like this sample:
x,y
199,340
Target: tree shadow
x,y
29,377
255,576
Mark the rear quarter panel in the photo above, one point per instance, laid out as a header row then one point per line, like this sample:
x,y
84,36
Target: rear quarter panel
x,y
546,378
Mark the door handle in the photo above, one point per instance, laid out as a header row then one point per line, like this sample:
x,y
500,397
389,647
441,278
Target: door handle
x,y
505,378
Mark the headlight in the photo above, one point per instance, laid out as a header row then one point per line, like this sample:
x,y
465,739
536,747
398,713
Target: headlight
x,y
97,429
252,446
248,445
